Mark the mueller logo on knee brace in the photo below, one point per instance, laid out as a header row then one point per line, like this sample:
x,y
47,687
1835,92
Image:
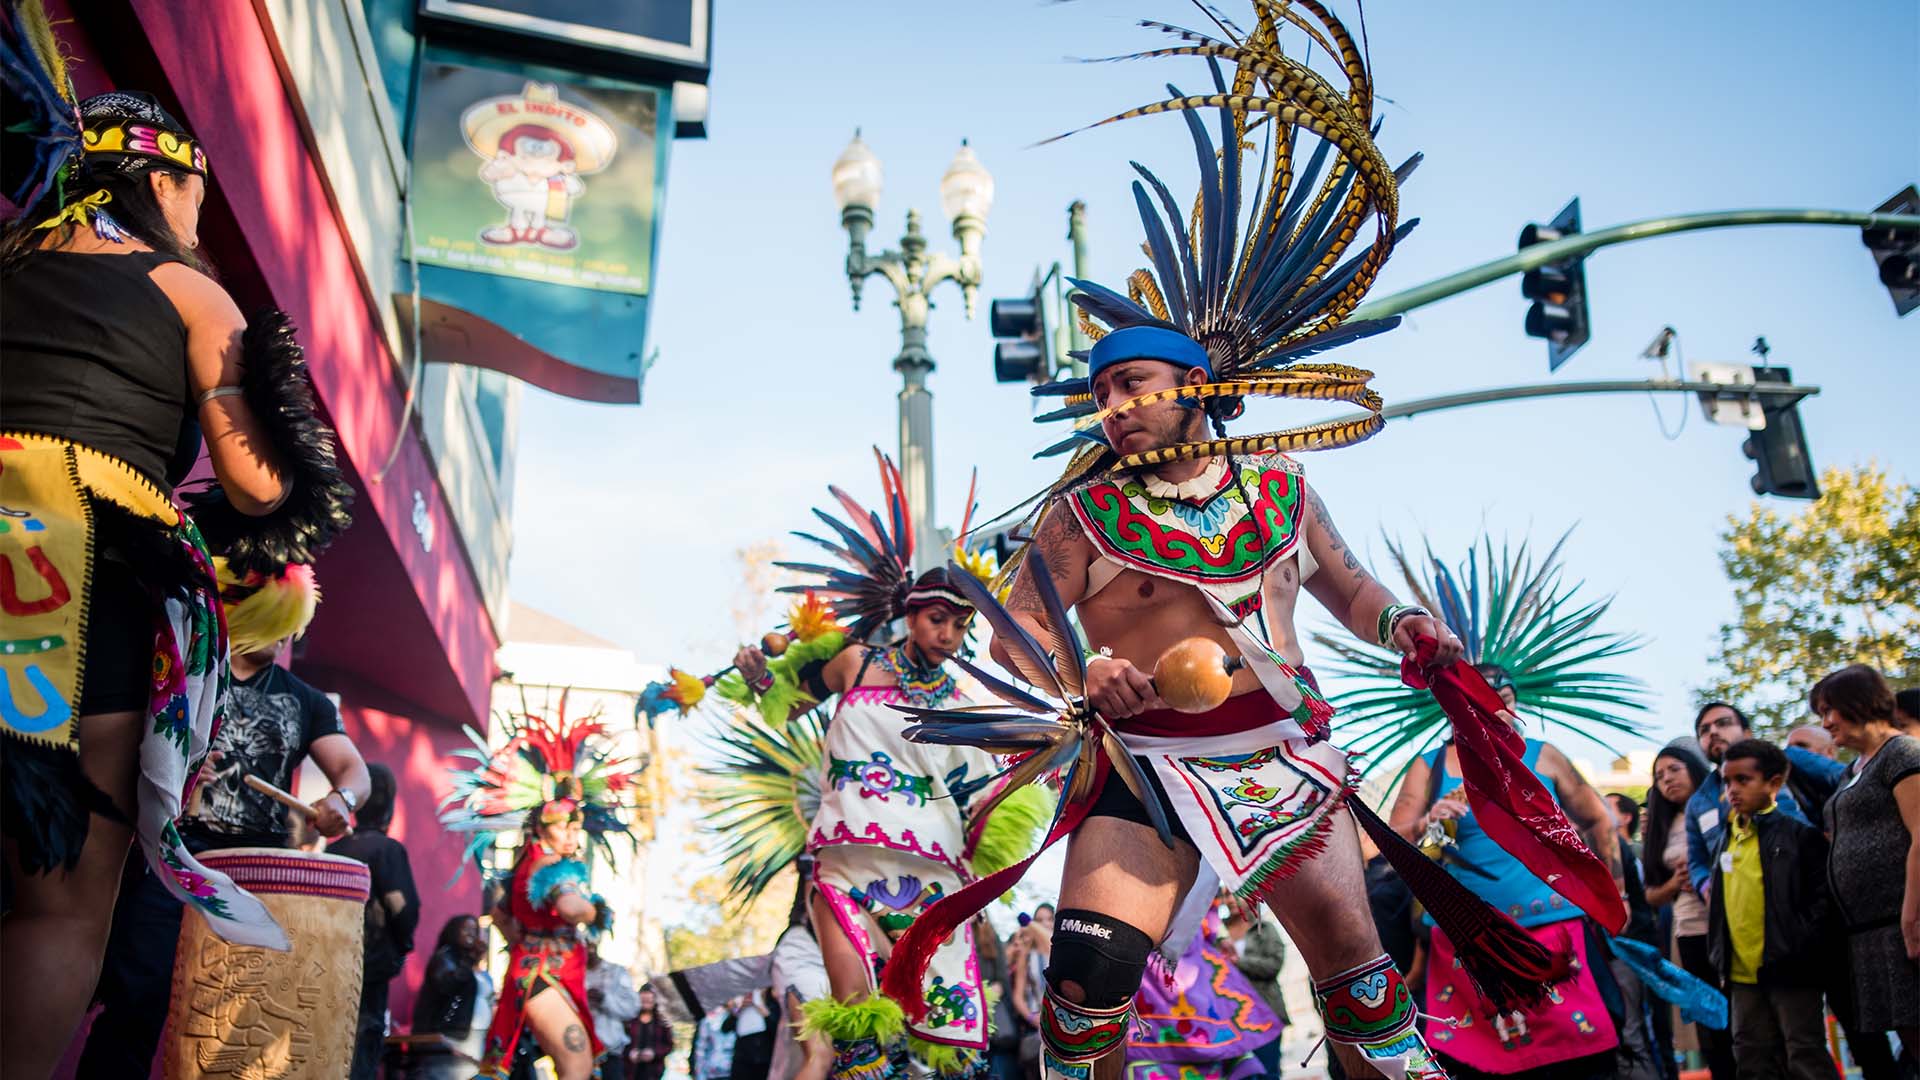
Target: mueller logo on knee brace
x,y
1081,926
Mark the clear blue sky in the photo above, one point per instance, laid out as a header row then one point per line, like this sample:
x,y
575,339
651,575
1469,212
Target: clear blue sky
x,y
769,387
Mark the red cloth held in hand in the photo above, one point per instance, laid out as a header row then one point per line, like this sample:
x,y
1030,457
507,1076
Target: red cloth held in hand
x,y
1508,800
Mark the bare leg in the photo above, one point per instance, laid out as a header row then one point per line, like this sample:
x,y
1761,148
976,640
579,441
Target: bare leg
x,y
847,971
1324,910
562,1034
56,934
1121,869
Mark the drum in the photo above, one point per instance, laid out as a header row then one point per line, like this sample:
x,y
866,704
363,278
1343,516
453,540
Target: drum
x,y
240,1011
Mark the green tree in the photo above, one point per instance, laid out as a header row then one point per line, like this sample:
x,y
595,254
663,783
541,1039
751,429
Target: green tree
x,y
1837,583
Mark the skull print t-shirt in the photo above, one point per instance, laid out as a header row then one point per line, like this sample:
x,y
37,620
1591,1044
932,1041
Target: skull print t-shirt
x,y
272,718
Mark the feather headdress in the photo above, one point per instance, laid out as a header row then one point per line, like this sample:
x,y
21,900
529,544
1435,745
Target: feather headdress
x,y
874,586
556,765
1263,289
1507,610
876,547
33,75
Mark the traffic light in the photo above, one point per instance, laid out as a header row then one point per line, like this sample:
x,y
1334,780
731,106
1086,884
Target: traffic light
x,y
1897,251
1558,290
1021,354
1779,450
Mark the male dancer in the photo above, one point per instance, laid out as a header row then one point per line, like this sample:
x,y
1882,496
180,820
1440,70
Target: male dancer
x,y
1159,535
1121,884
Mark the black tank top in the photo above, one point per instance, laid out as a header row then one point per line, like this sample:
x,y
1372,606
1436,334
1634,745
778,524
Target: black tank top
x,y
92,351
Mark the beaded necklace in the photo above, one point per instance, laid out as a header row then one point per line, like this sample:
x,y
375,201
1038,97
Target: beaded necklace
x,y
925,685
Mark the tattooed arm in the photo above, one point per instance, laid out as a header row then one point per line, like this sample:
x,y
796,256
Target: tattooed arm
x,y
1060,551
1341,584
1352,596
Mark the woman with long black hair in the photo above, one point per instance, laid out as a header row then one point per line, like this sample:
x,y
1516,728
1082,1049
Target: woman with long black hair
x,y
1678,770
119,354
114,356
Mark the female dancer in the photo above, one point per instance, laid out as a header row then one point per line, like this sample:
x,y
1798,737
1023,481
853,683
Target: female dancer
x,y
557,783
118,353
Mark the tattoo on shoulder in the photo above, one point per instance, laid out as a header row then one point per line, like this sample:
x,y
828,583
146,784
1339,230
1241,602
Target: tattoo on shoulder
x,y
1334,540
575,1038
1053,543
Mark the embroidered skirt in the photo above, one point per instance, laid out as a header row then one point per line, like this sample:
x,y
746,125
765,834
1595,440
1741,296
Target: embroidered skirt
x,y
876,893
1572,1023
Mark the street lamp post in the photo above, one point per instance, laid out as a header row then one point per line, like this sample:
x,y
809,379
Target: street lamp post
x,y
966,195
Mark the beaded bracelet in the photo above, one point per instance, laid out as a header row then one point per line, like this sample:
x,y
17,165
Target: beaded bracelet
x,y
1393,615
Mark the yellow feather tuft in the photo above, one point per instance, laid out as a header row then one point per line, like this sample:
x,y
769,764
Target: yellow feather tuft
x,y
686,691
38,29
262,610
985,565
811,617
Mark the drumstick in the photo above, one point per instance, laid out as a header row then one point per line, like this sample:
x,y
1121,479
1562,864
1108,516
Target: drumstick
x,y
291,801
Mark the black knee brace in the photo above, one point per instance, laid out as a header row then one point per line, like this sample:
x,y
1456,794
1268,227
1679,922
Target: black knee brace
x,y
1104,956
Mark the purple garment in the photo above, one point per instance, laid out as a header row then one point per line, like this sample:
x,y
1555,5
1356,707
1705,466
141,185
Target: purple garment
x,y
1202,1021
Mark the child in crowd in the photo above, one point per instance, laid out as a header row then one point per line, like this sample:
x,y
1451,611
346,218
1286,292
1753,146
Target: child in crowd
x,y
1768,922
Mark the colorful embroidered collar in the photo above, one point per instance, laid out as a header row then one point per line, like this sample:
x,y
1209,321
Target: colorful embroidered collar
x,y
920,684
1211,541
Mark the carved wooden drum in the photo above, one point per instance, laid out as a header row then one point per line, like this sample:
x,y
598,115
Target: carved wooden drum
x,y
248,1013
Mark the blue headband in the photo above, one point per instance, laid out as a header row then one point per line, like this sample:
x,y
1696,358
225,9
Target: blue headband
x,y
1147,343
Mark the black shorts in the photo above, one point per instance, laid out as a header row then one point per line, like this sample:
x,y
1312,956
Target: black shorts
x,y
120,628
1117,800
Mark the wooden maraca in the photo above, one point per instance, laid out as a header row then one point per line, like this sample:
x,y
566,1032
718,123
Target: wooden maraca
x,y
1195,675
775,643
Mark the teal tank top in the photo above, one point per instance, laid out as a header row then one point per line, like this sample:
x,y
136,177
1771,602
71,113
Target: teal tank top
x,y
1511,887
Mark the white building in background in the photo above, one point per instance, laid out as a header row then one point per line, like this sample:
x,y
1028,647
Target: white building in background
x,y
544,659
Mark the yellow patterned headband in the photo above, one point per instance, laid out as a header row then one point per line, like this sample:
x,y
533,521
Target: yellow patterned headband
x,y
146,140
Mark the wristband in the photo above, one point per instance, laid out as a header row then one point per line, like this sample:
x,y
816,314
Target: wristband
x,y
762,684
1391,618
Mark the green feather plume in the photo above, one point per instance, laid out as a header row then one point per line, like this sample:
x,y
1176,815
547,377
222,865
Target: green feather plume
x,y
786,694
1013,829
942,1059
765,785
876,1017
1507,609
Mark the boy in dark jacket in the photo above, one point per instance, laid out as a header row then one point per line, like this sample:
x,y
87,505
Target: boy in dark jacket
x,y
1768,922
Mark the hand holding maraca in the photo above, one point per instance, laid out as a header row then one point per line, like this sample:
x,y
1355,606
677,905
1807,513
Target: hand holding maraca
x,y
751,660
1195,675
1116,689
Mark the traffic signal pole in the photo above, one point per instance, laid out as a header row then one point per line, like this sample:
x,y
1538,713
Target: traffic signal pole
x,y
1787,392
1573,247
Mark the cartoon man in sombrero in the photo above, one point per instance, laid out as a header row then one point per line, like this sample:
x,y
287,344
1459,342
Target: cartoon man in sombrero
x,y
536,149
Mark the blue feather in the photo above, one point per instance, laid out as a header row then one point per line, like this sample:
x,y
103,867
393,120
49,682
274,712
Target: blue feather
x,y
1207,302
53,127
543,883
1191,272
1347,332
1106,305
1076,441
1071,412
1164,263
1062,388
